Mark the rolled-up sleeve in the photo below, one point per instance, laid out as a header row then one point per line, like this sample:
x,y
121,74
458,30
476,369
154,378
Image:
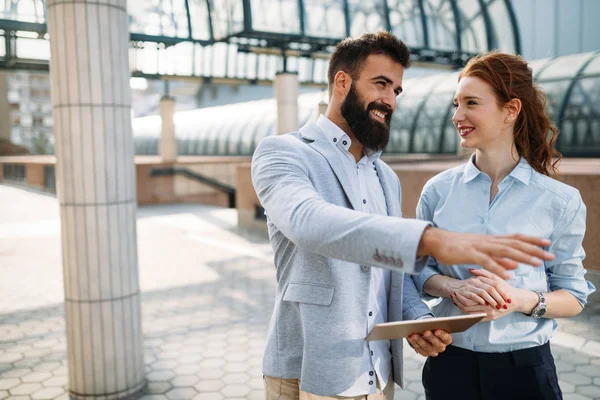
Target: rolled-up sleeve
x,y
566,271
425,213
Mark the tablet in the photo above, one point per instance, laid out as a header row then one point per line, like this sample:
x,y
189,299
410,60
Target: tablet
x,y
402,329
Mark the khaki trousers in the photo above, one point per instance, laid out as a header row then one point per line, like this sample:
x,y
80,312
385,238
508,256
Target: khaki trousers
x,y
289,389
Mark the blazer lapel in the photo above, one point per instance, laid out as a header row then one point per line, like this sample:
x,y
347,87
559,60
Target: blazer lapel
x,y
392,201
321,144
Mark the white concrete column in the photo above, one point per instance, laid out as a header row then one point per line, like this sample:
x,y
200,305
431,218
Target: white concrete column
x,y
168,143
4,108
95,175
286,95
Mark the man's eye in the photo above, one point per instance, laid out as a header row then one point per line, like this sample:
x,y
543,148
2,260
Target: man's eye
x,y
381,83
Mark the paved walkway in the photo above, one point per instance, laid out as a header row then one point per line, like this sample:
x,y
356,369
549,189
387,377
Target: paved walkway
x,y
207,298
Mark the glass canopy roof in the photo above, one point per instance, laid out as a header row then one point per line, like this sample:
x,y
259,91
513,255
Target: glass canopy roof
x,y
421,124
246,39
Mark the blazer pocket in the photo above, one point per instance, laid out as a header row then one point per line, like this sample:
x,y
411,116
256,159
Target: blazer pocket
x,y
309,293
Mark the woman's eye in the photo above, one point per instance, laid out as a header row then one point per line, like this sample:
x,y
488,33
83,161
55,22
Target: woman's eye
x,y
471,102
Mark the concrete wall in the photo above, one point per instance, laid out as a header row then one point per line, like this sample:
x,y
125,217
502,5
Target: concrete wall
x,y
584,174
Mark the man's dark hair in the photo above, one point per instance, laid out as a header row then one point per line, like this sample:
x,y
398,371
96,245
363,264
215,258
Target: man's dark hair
x,y
351,53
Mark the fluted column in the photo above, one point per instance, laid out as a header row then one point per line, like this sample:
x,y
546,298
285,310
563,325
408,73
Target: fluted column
x,y
168,142
96,189
286,95
4,108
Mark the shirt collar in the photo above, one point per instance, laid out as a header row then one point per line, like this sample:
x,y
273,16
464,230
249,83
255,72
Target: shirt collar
x,y
521,172
336,136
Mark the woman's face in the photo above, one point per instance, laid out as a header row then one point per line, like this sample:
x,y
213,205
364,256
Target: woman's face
x,y
481,123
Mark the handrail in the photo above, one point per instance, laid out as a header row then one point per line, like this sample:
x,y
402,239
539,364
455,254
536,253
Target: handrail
x,y
188,173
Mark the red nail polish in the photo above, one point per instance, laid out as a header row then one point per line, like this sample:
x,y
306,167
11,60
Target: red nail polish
x,y
471,269
487,304
497,306
508,301
451,296
505,307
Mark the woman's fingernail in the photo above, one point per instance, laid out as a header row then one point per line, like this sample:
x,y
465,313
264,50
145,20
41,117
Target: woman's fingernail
x,y
505,307
508,301
471,269
487,304
497,306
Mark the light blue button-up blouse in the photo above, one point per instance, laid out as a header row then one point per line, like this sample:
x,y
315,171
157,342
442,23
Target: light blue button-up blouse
x,y
527,202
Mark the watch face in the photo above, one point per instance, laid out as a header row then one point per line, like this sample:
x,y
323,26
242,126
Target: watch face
x,y
540,311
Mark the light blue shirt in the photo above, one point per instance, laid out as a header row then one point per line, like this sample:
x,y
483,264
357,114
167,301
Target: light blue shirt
x,y
377,359
527,202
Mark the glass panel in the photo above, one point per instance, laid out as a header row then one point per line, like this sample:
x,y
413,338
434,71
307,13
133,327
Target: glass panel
x,y
593,67
431,122
581,121
564,67
23,10
449,135
158,18
441,24
281,16
538,65
324,18
227,17
405,19
555,92
473,30
502,27
2,46
38,49
199,18
366,16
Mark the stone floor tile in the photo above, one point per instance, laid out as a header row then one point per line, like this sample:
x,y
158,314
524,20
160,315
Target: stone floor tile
x,y
153,397
235,378
157,387
56,381
9,383
181,393
566,387
235,390
256,395
3,394
25,389
36,377
589,391
209,396
210,373
10,357
47,393
160,375
184,380
575,396
209,385
187,369
236,367
589,370
15,373
576,378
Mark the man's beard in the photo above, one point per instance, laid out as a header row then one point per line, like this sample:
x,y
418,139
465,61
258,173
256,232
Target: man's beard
x,y
370,133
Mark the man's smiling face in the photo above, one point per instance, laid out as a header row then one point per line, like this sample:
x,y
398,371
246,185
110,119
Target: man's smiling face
x,y
371,101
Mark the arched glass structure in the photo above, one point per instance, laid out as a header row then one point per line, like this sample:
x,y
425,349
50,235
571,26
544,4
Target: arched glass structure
x,y
421,124
250,40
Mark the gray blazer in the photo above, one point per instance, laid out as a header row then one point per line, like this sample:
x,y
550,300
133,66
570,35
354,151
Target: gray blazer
x,y
324,251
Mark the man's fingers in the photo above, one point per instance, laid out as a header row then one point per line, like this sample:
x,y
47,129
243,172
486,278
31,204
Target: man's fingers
x,y
536,241
520,251
444,336
490,264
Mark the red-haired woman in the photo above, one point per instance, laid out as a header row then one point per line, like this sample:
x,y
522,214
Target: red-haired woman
x,y
505,188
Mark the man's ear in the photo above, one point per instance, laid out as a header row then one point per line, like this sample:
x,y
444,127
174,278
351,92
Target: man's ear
x,y
342,83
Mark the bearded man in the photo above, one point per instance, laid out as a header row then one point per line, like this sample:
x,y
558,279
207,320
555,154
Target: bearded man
x,y
341,247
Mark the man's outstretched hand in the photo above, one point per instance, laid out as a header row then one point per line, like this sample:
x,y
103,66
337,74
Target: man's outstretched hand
x,y
494,253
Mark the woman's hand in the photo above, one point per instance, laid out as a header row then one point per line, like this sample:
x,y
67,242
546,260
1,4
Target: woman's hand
x,y
516,300
481,290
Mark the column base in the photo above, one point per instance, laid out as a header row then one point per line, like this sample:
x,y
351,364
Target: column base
x,y
124,394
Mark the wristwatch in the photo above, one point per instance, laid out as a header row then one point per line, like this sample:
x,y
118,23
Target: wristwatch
x,y
540,309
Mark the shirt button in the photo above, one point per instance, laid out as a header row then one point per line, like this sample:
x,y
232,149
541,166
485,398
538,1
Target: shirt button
x,y
345,143
335,139
371,373
370,382
481,220
364,268
371,352
364,201
370,313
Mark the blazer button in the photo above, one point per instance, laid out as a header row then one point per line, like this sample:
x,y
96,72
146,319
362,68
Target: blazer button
x,y
364,268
